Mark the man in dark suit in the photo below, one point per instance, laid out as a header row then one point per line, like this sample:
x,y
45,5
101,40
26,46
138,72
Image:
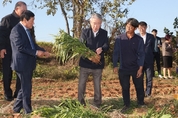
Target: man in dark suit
x,y
148,63
157,53
24,52
95,39
7,23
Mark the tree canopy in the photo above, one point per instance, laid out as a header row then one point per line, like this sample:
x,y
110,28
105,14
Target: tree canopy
x,y
79,11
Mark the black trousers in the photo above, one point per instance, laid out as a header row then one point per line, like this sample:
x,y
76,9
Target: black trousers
x,y
7,75
157,59
124,77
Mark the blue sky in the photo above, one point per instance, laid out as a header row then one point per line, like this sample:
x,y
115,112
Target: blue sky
x,y
157,13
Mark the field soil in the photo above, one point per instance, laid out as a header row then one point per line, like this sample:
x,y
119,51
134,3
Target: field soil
x,y
50,92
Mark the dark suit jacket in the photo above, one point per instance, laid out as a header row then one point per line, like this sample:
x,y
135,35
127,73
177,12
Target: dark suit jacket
x,y
101,40
149,50
23,56
158,42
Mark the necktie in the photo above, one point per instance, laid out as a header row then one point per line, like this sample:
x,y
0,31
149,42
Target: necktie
x,y
30,39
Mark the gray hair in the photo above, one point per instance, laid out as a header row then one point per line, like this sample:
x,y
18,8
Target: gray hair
x,y
96,15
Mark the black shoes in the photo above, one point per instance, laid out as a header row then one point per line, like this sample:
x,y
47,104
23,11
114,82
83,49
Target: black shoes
x,y
8,98
124,109
98,105
141,105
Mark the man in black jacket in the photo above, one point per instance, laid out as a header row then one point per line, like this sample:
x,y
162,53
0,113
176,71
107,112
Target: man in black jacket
x,y
157,46
7,23
95,39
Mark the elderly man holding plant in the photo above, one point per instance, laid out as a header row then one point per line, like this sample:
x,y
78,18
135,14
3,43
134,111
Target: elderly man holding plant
x,y
96,39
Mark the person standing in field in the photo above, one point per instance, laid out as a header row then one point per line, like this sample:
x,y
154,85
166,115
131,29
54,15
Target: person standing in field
x,y
24,55
6,25
167,52
149,56
129,51
96,39
157,53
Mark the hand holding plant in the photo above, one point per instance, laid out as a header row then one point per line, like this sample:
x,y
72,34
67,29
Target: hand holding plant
x,y
67,47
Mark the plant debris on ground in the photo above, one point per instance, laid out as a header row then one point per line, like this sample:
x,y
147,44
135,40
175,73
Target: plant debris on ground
x,y
49,93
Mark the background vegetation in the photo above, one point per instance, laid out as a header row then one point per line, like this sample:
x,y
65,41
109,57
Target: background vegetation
x,y
51,68
79,11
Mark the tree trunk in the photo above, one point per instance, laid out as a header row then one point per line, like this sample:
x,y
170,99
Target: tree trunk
x,y
74,20
65,16
78,13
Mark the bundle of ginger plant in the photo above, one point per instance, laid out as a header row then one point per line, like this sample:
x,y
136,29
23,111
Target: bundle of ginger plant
x,y
66,47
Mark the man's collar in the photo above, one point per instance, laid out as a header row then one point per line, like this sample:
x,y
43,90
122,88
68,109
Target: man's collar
x,y
15,14
96,31
23,25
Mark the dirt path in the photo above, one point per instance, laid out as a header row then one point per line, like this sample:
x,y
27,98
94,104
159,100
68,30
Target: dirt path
x,y
50,92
